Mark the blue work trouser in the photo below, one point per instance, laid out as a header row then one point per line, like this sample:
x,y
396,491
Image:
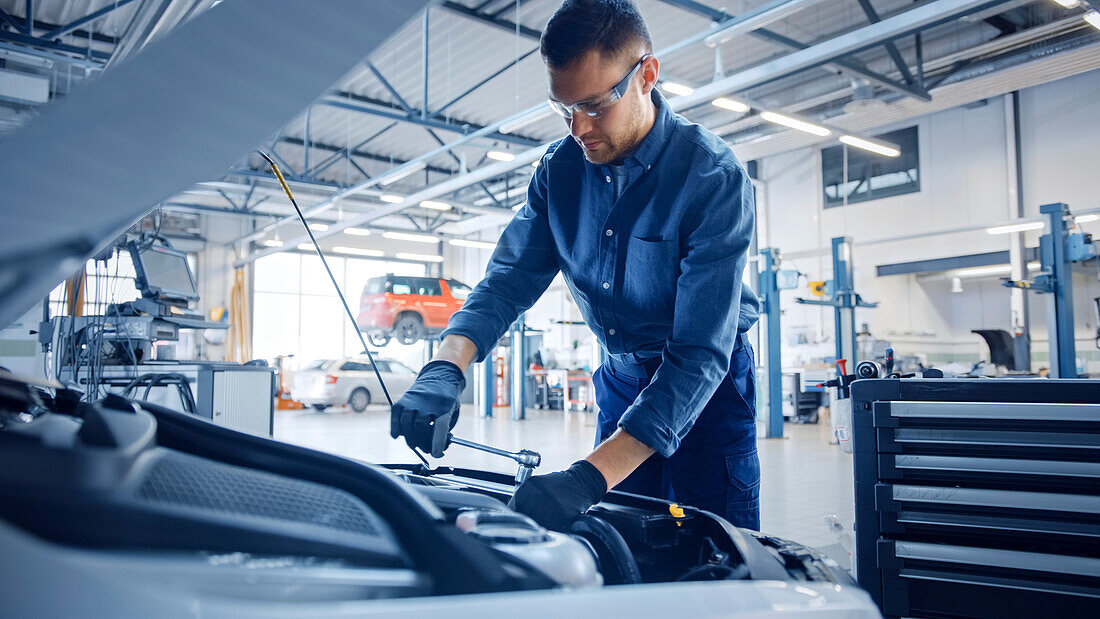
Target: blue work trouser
x,y
716,467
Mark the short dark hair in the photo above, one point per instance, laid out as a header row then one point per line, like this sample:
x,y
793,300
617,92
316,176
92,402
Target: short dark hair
x,y
578,26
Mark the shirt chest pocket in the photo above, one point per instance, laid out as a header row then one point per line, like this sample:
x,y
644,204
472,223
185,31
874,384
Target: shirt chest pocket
x,y
649,276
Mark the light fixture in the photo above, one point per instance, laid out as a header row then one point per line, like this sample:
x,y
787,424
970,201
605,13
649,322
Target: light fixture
x,y
956,284
1068,4
435,205
535,163
676,88
1020,227
401,172
392,199
519,206
500,155
1093,18
469,243
318,227
874,147
1084,219
525,120
306,247
756,19
732,105
356,251
794,123
357,231
406,236
420,257
997,269
272,243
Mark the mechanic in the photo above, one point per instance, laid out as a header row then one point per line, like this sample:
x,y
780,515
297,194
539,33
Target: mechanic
x,y
648,217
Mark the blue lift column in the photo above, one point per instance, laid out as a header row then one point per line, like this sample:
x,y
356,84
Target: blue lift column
x,y
519,369
844,302
486,385
1059,248
769,288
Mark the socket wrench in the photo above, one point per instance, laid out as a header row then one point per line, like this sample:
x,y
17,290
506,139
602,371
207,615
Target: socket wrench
x,y
527,460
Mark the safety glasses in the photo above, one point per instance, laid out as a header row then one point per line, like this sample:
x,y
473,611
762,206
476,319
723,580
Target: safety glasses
x,y
598,107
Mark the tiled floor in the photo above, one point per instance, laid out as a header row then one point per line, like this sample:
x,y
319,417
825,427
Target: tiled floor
x,y
804,478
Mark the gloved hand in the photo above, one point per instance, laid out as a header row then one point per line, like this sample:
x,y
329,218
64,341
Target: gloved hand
x,y
428,411
555,499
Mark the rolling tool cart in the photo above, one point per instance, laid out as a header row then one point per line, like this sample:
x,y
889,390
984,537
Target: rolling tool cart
x,y
978,498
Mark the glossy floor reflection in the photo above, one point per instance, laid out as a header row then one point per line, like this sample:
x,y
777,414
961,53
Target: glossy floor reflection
x,y
804,478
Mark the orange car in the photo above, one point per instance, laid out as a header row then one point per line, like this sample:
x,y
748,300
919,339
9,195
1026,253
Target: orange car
x,y
408,309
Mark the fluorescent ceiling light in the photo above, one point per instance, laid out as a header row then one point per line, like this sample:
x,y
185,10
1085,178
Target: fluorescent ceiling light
x,y
357,231
402,171
420,257
416,238
997,269
1020,227
356,251
318,227
272,243
1069,4
435,205
757,18
499,155
519,206
306,247
874,147
1084,219
523,121
1093,18
732,105
677,88
475,244
535,163
392,199
794,123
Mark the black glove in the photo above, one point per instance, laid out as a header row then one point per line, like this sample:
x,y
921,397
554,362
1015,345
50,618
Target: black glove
x,y
554,500
429,409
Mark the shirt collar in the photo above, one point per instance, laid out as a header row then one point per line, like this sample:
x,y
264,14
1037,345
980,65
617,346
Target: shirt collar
x,y
654,142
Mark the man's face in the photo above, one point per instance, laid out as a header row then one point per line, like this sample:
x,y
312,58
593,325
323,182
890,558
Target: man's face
x,y
621,126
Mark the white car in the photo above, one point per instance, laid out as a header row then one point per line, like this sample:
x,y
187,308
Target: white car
x,y
335,382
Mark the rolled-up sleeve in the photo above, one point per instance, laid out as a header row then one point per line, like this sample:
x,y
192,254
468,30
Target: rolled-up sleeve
x,y
520,270
696,357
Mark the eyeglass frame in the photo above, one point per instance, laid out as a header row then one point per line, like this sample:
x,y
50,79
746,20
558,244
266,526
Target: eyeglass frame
x,y
618,91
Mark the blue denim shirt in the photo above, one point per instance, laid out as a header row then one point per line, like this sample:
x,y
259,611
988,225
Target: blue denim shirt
x,y
656,272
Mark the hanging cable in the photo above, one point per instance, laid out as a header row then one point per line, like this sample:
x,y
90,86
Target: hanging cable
x,y
339,292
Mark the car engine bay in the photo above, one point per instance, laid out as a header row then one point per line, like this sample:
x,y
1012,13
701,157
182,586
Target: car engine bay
x,y
140,489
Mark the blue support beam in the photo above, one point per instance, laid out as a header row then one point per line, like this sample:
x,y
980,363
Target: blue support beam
x,y
769,288
389,87
366,105
718,15
32,41
73,25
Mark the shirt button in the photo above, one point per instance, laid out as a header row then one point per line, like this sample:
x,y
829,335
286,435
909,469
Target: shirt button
x,y
611,332
608,232
606,285
607,178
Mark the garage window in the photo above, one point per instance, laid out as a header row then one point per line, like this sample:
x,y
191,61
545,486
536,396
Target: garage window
x,y
853,175
296,311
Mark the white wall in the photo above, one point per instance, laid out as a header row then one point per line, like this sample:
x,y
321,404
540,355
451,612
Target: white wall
x,y
964,182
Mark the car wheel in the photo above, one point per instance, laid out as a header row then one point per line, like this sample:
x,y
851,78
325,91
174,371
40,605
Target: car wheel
x,y
379,339
409,329
320,407
359,400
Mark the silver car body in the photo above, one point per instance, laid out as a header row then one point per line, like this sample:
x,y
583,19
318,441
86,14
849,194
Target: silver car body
x,y
331,382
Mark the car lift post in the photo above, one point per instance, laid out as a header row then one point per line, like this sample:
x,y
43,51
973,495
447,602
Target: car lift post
x,y
1059,248
485,386
519,371
844,302
769,287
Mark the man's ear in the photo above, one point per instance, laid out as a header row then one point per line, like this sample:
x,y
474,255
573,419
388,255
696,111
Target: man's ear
x,y
651,68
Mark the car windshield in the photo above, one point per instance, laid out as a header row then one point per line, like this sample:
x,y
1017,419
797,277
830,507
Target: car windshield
x,y
317,365
459,290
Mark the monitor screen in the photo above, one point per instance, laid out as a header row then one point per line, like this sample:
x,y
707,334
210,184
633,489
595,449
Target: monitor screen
x,y
167,271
